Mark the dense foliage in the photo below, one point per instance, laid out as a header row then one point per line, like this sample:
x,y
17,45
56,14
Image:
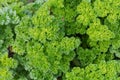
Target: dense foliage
x,y
59,39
